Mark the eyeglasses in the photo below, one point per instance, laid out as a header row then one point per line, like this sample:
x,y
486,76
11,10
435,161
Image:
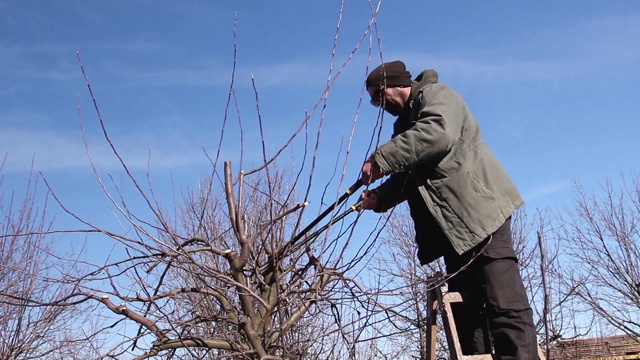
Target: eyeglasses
x,y
376,97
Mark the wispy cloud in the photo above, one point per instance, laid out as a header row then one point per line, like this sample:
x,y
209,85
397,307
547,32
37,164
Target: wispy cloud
x,y
605,40
204,74
584,49
561,53
210,73
576,50
26,61
55,151
506,70
545,190
69,47
294,72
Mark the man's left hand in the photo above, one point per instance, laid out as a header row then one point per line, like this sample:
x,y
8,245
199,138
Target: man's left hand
x,y
370,172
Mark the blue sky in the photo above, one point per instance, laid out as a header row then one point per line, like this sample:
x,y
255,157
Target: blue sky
x,y
553,84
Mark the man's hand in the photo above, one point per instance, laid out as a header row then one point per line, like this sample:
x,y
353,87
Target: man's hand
x,y
370,172
369,200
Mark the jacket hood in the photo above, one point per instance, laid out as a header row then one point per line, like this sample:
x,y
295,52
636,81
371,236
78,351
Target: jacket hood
x,y
425,78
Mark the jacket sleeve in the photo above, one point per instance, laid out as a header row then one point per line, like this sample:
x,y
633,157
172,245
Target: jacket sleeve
x,y
391,192
439,116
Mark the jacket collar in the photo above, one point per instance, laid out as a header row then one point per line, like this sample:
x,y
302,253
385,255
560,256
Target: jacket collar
x,y
425,78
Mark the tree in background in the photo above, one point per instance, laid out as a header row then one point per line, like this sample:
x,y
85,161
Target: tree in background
x,y
544,271
602,235
396,266
218,275
30,277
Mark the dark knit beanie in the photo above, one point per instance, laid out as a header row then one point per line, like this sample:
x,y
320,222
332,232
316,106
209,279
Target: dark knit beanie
x,y
390,74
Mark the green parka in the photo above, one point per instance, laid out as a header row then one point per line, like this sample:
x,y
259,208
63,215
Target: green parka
x,y
437,156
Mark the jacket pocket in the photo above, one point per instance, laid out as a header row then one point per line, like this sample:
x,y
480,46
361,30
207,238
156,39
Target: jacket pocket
x,y
479,188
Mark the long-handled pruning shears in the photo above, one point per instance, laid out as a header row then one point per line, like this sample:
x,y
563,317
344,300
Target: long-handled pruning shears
x,y
353,188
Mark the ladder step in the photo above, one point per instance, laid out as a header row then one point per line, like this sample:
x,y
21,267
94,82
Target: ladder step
x,y
440,304
452,297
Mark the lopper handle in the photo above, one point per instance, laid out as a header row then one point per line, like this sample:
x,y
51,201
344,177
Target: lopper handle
x,y
353,188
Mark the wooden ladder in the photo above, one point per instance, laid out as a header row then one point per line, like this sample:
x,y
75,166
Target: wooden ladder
x,y
439,302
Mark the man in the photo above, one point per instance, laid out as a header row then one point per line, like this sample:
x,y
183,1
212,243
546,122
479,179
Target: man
x,y
461,201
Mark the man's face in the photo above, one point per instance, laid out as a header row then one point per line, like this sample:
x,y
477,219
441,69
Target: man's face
x,y
389,99
377,95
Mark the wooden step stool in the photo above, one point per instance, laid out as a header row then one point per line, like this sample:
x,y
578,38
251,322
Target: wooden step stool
x,y
439,301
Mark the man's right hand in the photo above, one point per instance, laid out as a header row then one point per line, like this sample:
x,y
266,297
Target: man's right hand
x,y
369,200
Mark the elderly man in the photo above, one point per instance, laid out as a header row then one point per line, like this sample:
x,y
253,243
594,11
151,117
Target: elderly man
x,y
461,201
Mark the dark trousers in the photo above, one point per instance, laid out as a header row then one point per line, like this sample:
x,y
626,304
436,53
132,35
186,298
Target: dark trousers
x,y
495,305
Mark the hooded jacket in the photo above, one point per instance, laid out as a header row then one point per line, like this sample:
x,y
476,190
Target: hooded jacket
x,y
438,161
